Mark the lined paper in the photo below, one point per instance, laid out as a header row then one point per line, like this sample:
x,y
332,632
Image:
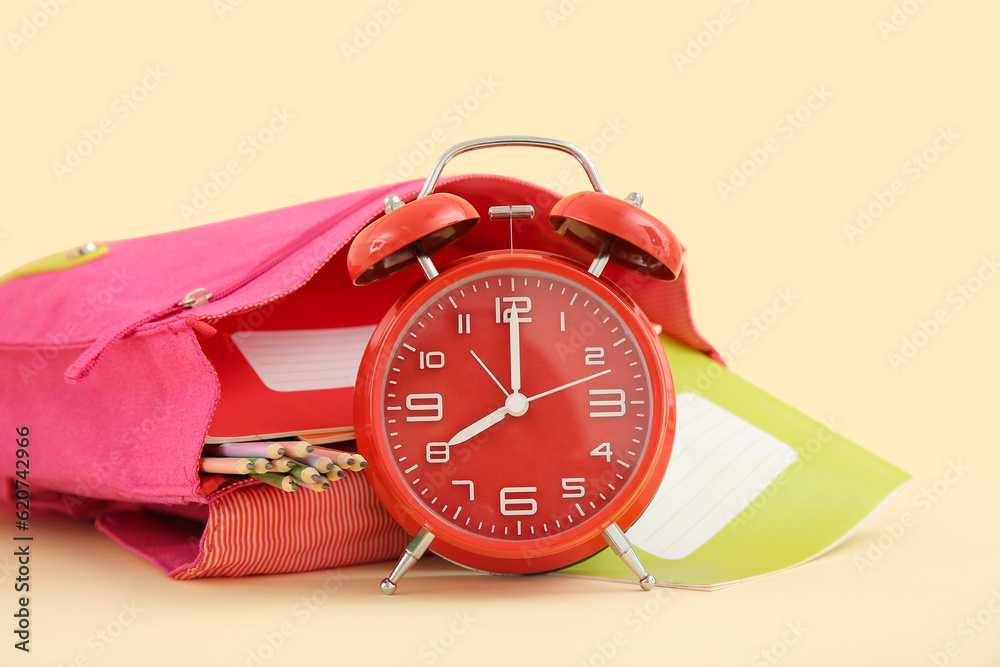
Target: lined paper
x,y
720,464
305,360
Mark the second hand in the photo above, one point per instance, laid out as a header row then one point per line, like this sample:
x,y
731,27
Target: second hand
x,y
569,384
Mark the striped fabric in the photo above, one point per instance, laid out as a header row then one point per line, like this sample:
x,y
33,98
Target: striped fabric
x,y
258,529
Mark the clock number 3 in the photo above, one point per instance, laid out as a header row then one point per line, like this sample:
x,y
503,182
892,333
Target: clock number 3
x,y
616,404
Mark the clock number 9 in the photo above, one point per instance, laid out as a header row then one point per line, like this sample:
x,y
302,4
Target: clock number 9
x,y
434,403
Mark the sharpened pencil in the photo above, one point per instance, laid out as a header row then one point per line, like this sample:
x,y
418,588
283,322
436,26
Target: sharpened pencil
x,y
271,450
306,474
341,458
298,448
284,464
319,487
225,466
318,461
359,463
335,475
283,482
261,464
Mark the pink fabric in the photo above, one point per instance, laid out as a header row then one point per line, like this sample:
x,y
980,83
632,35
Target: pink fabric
x,y
132,428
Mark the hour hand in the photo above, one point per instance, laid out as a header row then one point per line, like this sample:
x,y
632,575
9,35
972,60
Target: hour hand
x,y
480,425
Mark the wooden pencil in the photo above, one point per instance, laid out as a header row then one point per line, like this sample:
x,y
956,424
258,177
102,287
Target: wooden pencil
x,y
335,475
225,466
321,463
261,464
298,447
340,457
283,482
306,474
271,450
319,487
359,463
284,464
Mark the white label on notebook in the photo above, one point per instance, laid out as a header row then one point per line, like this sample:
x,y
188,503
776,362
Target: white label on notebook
x,y
720,463
304,360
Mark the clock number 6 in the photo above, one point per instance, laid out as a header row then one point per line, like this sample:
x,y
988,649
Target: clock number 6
x,y
517,506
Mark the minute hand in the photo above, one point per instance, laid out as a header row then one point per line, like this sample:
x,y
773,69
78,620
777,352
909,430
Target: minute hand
x,y
569,384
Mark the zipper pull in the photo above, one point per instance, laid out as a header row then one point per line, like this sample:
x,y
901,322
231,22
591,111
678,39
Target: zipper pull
x,y
194,298
201,329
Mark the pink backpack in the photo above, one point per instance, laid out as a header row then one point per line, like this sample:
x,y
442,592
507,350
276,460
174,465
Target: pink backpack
x,y
114,366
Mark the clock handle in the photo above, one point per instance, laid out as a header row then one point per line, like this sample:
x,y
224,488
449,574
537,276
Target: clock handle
x,y
512,140
622,548
414,550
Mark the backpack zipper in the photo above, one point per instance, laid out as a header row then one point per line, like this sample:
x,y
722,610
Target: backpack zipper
x,y
86,362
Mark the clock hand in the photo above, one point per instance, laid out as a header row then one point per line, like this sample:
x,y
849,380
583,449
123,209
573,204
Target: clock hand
x,y
479,426
515,350
569,384
488,372
517,405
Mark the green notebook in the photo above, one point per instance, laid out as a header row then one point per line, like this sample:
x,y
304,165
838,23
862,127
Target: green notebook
x,y
753,486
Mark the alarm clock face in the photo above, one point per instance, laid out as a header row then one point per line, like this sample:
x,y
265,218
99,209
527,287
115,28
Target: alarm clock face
x,y
515,406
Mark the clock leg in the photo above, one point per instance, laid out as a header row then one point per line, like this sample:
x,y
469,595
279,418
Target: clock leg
x,y
414,550
622,548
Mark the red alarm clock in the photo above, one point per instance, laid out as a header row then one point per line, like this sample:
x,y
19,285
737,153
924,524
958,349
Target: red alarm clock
x,y
487,432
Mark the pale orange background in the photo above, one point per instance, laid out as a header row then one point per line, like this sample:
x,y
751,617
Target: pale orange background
x,y
603,75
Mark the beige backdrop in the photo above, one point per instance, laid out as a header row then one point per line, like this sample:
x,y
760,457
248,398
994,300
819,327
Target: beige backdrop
x,y
841,153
